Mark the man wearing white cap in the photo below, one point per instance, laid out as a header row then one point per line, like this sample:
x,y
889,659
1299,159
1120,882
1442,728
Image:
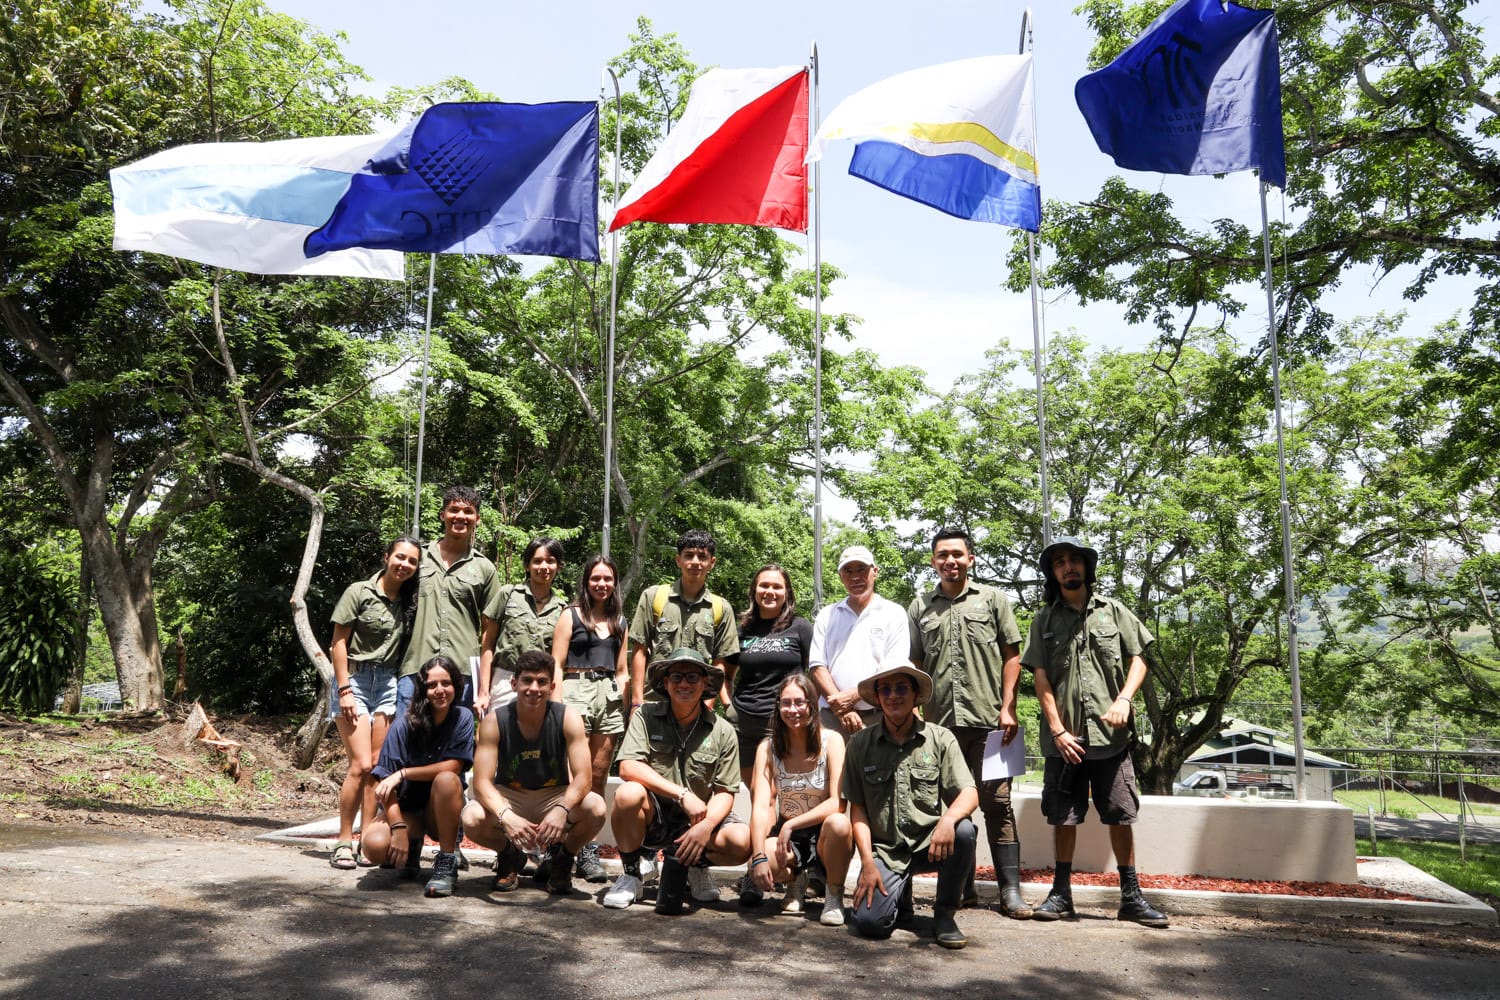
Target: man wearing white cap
x,y
851,639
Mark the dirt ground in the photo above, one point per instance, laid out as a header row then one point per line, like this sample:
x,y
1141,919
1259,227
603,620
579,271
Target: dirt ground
x,y
139,776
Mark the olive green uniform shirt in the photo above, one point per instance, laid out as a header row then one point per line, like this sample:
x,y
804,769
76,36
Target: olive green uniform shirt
x,y
683,624
704,757
450,601
374,620
523,625
905,787
961,644
1087,658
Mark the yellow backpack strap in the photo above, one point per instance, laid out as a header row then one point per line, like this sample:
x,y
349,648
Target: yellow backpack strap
x,y
718,608
659,595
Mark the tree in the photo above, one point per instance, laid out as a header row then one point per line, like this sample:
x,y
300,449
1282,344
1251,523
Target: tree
x,y
1180,501
105,359
713,373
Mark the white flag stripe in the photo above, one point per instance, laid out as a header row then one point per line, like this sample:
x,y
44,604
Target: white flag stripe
x,y
246,205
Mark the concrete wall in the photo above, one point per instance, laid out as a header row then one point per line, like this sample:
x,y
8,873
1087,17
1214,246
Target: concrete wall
x,y
1226,838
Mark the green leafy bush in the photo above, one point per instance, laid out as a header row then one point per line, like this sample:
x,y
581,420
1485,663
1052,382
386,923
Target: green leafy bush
x,y
36,626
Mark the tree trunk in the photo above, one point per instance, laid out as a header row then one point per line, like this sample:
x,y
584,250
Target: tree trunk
x,y
137,656
73,698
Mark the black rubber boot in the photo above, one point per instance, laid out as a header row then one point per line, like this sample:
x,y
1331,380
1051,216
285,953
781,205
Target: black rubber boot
x,y
672,889
945,930
1007,859
1133,905
1059,902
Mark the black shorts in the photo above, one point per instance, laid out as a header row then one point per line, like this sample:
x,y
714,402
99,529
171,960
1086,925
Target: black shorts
x,y
804,844
1111,780
668,822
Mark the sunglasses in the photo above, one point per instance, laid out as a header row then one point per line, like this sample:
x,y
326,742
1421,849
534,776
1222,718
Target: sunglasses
x,y
684,676
898,689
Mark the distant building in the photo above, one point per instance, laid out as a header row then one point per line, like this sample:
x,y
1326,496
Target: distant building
x,y
97,698
1242,748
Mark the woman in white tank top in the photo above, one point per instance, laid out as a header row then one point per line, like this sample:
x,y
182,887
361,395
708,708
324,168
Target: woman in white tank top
x,y
798,821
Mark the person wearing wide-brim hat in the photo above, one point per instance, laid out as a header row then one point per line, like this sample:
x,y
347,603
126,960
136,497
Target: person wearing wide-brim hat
x,y
679,773
910,799
656,673
1087,656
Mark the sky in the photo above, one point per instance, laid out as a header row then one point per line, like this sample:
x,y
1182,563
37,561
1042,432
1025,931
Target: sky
x,y
928,287
918,278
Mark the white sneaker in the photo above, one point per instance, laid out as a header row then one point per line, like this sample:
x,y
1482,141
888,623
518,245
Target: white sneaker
x,y
791,904
833,910
701,885
626,890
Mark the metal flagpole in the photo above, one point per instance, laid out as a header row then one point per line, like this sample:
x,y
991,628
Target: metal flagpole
x,y
1036,326
1289,582
817,200
416,507
609,357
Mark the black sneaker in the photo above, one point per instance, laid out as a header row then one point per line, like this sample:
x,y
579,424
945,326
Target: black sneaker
x,y
542,874
589,867
1056,906
444,875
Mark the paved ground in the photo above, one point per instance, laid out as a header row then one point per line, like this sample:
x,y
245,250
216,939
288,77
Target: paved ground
x,y
1431,826
101,915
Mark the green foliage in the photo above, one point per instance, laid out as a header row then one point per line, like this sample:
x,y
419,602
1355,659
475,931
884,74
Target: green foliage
x,y
36,626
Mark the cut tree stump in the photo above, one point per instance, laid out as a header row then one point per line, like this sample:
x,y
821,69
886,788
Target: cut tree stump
x,y
197,729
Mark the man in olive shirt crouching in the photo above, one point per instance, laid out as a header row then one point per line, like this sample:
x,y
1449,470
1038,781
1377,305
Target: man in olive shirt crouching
x,y
910,797
679,772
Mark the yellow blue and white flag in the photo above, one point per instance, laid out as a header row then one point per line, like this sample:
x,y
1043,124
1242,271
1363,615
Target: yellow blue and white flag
x,y
247,205
958,137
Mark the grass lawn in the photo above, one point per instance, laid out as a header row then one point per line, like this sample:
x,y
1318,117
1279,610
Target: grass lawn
x,y
1407,806
1478,875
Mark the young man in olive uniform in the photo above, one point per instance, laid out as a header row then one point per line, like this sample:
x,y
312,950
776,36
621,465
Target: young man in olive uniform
x,y
679,773
1086,652
910,797
457,584
682,615
964,634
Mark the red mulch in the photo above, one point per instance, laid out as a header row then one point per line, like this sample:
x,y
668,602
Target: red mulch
x,y
1204,883
1192,883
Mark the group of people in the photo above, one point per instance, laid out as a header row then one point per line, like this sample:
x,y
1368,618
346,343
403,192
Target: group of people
x,y
861,733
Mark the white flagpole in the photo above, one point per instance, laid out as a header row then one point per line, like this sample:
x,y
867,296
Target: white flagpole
x,y
817,200
416,507
1289,582
1037,354
609,357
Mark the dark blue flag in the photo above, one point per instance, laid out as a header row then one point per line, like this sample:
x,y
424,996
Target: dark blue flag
x,y
482,178
1198,93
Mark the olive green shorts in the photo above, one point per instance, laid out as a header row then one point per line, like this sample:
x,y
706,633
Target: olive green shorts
x,y
598,700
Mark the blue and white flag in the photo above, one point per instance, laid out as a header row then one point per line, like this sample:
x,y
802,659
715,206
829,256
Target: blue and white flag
x,y
480,178
957,137
1198,93
246,205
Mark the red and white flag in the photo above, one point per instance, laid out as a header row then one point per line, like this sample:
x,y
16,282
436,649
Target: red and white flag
x,y
736,156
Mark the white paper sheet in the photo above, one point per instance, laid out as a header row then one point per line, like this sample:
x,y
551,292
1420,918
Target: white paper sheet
x,y
1002,761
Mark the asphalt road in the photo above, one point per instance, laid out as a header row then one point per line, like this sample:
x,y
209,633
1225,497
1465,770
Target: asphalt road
x,y
1430,826
108,915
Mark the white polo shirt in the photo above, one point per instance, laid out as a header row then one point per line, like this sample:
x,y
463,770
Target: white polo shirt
x,y
853,646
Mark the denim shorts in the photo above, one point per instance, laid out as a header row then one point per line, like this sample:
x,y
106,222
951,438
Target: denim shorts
x,y
374,691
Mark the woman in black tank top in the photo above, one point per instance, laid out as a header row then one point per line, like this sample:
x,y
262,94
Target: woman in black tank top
x,y
589,648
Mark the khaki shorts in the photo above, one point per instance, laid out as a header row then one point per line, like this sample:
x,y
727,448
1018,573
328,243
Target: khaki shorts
x,y
1111,780
599,701
529,803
